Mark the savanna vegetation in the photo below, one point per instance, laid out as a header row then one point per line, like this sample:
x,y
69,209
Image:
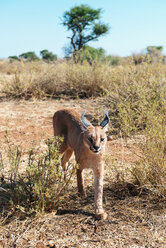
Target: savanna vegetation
x,y
134,95
133,90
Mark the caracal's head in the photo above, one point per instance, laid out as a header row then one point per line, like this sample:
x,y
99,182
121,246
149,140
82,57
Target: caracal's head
x,y
94,137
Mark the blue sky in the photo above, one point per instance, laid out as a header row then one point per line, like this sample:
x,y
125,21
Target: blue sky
x,y
34,25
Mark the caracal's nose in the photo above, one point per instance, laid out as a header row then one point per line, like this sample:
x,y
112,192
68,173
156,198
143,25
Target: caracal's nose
x,y
96,147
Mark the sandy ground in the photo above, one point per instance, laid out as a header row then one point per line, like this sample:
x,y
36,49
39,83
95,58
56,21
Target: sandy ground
x,y
30,121
134,220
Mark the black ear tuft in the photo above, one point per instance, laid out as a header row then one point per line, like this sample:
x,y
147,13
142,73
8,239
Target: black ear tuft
x,y
83,120
105,122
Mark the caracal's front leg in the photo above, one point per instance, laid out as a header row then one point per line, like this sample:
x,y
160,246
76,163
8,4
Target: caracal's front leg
x,y
80,182
98,184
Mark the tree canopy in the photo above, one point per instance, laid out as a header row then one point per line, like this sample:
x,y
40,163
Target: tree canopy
x,y
48,56
30,56
85,25
14,58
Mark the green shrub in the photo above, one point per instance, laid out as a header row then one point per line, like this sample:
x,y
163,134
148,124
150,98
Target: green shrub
x,y
42,186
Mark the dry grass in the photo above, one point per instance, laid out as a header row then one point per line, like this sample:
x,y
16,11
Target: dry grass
x,y
37,79
40,80
63,79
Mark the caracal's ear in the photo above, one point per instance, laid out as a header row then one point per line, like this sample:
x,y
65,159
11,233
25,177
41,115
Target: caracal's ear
x,y
84,122
104,123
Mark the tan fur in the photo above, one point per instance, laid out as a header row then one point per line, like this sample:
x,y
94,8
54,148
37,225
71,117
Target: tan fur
x,y
67,123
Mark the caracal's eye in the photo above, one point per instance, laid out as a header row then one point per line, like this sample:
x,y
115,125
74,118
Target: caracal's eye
x,y
101,139
90,139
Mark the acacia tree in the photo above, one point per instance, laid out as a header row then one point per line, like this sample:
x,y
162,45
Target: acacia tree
x,y
85,24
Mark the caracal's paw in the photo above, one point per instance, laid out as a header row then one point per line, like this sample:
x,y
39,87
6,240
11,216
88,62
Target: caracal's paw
x,y
82,194
101,215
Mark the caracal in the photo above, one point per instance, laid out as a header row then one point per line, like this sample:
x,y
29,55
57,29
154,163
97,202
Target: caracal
x,y
88,144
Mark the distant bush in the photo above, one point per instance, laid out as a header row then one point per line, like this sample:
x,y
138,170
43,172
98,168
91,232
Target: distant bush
x,y
139,58
96,55
30,56
155,53
113,60
48,56
91,54
14,58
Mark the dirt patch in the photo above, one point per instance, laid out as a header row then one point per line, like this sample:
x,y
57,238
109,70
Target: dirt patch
x,y
134,220
30,121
